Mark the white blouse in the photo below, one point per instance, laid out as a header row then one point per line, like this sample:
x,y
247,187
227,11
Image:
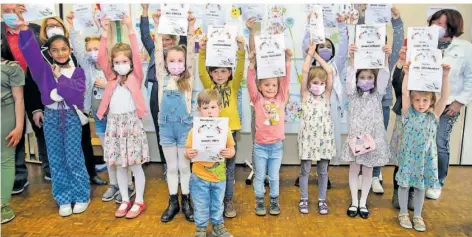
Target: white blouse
x,y
121,101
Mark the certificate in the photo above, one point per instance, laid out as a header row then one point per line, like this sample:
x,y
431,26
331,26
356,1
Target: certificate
x,y
270,56
425,72
84,20
209,137
173,19
221,46
421,38
378,13
329,16
39,11
214,15
350,13
370,40
316,25
274,20
115,12
253,10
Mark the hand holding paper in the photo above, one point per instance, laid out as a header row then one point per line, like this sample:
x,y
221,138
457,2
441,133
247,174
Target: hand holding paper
x,y
156,15
190,153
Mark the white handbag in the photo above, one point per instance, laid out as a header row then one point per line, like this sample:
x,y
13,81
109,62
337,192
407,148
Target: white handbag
x,y
83,119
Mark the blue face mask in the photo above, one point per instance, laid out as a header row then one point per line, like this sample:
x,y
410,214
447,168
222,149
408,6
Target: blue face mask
x,y
10,19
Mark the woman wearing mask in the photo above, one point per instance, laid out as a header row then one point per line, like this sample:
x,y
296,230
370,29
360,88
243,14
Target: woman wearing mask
x,y
456,52
55,26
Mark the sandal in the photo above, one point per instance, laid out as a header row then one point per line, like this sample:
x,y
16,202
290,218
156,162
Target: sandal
x,y
133,214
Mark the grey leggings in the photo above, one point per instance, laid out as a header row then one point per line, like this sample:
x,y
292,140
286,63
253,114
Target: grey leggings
x,y
322,168
418,200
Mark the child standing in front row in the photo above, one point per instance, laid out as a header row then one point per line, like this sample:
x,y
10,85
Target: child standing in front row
x,y
316,138
207,183
418,159
365,89
126,144
175,79
269,97
227,85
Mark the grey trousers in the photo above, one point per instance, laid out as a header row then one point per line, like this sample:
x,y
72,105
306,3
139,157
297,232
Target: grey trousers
x,y
322,168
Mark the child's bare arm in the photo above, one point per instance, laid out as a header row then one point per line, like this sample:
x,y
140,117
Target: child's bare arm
x,y
445,91
406,103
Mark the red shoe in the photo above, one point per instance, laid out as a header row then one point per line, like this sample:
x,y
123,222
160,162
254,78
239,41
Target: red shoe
x,y
120,212
133,214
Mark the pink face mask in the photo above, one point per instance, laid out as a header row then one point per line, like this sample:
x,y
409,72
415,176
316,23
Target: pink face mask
x,y
176,68
317,90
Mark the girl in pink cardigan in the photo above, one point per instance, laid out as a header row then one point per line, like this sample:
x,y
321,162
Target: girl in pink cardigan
x,y
126,144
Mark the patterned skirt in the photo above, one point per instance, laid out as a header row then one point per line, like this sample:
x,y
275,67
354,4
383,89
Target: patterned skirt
x,y
125,140
396,139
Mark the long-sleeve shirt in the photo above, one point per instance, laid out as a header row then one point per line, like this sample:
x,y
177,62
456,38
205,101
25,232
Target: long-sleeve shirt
x,y
133,82
459,56
228,92
71,89
269,113
398,36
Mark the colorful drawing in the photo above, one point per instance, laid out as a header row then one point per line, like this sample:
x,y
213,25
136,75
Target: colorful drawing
x,y
293,109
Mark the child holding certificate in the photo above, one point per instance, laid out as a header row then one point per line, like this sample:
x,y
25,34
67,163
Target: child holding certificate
x,y
208,180
366,144
417,161
175,79
269,97
221,79
316,137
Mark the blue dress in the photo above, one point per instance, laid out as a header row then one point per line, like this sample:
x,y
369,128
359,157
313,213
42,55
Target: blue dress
x,y
418,159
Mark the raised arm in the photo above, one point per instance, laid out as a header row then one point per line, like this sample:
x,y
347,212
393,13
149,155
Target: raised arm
x,y
252,32
342,50
202,70
351,72
406,103
146,38
285,82
77,41
398,35
251,78
190,62
137,64
306,37
159,50
240,64
305,70
329,71
445,92
72,89
384,74
103,52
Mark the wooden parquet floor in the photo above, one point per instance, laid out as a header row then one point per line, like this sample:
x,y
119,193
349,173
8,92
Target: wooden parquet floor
x,y
451,215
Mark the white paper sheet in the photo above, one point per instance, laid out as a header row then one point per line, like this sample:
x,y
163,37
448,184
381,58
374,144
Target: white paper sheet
x,y
115,12
378,13
221,46
209,138
173,19
39,11
316,25
421,38
370,39
270,56
85,21
425,72
253,10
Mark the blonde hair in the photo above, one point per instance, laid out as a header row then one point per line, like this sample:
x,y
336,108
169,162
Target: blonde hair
x,y
42,32
317,72
429,94
184,81
90,39
259,82
126,50
207,96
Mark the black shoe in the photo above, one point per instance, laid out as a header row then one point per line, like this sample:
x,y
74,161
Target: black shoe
x,y
351,213
364,212
98,181
187,208
329,184
172,209
19,186
297,182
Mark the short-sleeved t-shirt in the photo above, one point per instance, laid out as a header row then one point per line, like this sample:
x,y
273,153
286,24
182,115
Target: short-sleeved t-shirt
x,y
210,171
12,75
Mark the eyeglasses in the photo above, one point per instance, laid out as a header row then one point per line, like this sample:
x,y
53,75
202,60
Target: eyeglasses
x,y
53,26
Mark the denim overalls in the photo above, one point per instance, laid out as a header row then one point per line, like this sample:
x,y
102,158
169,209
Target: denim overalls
x,y
174,120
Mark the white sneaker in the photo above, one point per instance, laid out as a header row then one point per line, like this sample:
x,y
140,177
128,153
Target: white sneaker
x,y
81,207
359,182
433,193
377,186
65,210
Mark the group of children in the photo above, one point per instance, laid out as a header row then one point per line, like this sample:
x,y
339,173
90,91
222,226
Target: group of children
x,y
113,83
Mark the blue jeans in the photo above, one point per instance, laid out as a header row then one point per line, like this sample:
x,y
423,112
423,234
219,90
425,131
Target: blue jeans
x,y
230,166
100,125
443,137
386,118
207,200
267,156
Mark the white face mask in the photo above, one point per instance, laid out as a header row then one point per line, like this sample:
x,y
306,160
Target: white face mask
x,y
54,31
122,69
442,31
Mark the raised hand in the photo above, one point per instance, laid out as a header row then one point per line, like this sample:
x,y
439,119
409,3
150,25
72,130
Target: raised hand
x,y
446,69
70,19
240,41
191,19
352,50
388,50
402,53
156,15
311,49
127,21
395,13
105,21
288,55
406,67
203,42
250,23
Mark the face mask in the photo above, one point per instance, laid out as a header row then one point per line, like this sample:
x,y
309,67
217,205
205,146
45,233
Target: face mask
x,y
10,19
54,31
92,56
62,64
365,85
317,89
325,53
442,31
176,68
122,69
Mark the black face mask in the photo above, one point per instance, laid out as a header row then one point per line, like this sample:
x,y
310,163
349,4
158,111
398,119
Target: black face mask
x,y
61,64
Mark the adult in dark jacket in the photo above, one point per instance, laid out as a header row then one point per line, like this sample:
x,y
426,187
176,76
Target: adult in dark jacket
x,y
49,27
32,97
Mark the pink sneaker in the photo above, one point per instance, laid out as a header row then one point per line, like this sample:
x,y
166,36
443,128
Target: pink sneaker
x,y
136,210
122,212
